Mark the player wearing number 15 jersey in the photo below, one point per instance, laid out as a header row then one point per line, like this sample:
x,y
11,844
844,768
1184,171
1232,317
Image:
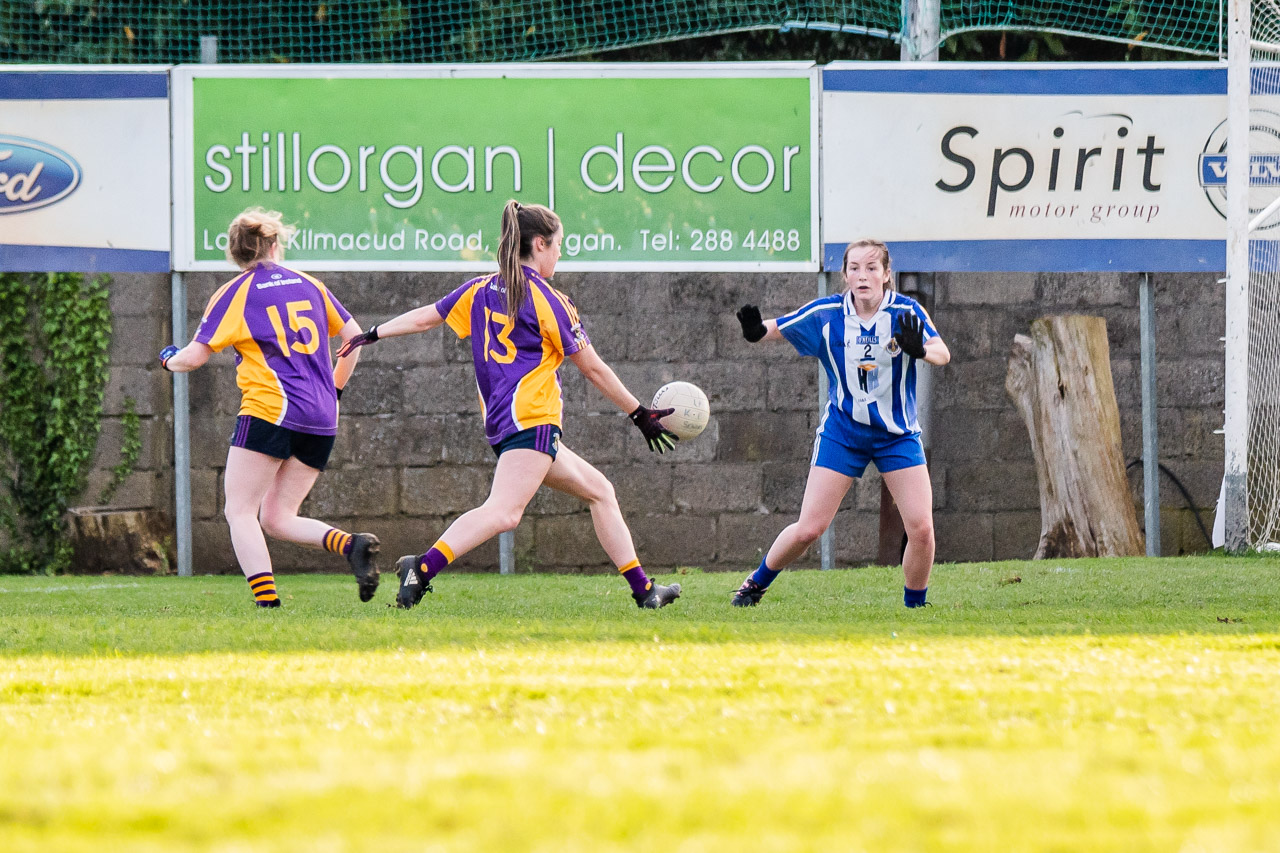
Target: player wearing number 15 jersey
x,y
279,322
868,340
521,330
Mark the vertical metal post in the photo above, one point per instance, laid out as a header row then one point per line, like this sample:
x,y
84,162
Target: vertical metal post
x,y
1150,442
506,552
181,432
921,30
827,542
1236,442
208,49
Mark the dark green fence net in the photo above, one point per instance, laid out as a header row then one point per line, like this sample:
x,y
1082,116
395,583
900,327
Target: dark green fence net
x,y
149,31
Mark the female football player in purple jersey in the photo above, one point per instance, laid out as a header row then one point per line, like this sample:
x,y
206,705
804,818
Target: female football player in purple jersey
x,y
868,340
521,330
279,321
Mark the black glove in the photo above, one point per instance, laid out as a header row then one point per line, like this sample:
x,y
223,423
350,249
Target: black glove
x,y
910,335
167,353
647,421
752,327
358,341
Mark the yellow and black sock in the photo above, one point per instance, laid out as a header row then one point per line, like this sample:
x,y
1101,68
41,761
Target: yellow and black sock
x,y
337,541
263,586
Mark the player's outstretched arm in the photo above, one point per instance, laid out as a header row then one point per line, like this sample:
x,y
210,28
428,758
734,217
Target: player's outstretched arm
x,y
754,328
412,322
346,366
184,360
602,376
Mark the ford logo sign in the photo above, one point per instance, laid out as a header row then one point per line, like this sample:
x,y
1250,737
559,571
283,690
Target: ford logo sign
x,y
33,174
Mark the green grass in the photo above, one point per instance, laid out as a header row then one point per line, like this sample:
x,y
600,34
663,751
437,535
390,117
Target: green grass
x,y
1113,705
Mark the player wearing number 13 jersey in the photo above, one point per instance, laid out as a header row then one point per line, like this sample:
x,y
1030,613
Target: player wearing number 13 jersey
x,y
521,330
869,340
516,360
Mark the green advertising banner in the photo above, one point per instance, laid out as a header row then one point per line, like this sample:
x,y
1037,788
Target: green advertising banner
x,y
683,167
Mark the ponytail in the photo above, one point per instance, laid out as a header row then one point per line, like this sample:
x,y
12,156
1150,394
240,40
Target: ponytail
x,y
520,225
509,258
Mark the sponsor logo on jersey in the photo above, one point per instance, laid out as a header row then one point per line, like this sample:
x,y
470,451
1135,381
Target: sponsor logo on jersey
x,y
34,174
262,285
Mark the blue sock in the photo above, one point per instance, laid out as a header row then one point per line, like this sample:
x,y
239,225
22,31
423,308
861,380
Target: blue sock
x,y
764,575
914,597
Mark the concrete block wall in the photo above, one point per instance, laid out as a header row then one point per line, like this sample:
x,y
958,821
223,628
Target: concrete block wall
x,y
411,455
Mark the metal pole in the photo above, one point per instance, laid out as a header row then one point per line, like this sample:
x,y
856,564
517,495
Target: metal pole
x,y
921,30
1236,444
208,49
1150,443
181,433
506,552
827,542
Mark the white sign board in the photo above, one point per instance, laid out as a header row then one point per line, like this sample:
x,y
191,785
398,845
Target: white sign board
x,y
84,170
1034,168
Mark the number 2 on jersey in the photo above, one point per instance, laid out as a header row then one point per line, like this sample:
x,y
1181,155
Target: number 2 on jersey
x,y
308,343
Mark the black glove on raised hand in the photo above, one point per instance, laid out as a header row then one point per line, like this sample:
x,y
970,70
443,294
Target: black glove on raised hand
x,y
648,422
752,326
910,335
358,341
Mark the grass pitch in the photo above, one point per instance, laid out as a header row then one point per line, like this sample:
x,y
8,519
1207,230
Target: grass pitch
x,y
1099,705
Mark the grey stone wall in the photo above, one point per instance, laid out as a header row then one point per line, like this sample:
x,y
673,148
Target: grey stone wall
x,y
411,454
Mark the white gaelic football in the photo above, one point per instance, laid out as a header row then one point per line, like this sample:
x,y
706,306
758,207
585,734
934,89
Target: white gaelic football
x,y
691,408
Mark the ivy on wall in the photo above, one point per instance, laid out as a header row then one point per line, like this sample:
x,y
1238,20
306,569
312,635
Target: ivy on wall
x,y
55,332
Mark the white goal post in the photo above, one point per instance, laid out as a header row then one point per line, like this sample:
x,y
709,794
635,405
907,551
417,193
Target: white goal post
x,y
1251,503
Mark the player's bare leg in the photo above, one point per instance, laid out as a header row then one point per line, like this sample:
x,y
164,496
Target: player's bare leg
x,y
279,510
515,481
280,520
913,493
573,475
823,492
248,476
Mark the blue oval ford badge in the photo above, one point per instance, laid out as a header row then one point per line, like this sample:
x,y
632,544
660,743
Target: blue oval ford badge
x,y
33,174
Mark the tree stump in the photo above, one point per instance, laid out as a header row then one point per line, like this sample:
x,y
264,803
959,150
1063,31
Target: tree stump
x,y
1060,380
127,541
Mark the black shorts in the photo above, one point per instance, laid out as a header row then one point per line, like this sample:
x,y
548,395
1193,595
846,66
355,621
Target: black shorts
x,y
281,442
544,439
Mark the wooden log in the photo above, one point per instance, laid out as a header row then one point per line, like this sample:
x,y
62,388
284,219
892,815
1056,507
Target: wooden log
x,y
127,541
1060,380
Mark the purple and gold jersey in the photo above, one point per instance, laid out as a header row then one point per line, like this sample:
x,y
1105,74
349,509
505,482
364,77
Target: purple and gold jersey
x,y
516,358
279,321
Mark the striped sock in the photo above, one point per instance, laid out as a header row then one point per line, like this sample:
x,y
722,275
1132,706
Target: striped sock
x,y
434,560
634,573
263,586
337,541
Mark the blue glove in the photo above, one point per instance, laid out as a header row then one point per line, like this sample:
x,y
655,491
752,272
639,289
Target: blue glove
x,y
167,353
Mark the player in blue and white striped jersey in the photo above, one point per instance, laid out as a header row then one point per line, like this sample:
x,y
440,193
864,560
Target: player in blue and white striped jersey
x,y
868,340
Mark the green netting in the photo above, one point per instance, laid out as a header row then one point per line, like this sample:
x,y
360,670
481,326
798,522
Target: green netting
x,y
148,31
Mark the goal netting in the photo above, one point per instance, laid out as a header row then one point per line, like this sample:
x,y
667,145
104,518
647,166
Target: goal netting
x,y
1253,365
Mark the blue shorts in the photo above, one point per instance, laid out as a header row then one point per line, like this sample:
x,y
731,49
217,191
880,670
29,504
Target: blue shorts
x,y
849,453
281,442
544,439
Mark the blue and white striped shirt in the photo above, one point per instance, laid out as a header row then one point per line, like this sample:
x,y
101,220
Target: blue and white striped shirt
x,y
869,378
